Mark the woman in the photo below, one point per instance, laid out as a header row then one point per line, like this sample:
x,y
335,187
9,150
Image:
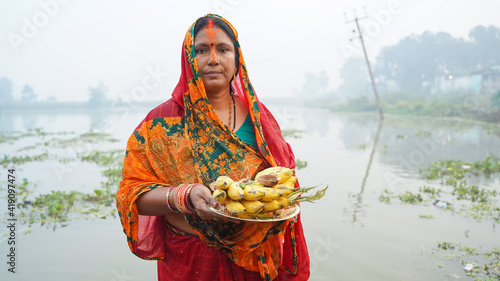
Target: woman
x,y
213,125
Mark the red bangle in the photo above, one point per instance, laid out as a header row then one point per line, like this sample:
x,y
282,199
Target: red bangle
x,y
168,200
181,194
188,202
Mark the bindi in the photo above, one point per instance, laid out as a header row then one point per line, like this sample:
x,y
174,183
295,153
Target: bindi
x,y
210,31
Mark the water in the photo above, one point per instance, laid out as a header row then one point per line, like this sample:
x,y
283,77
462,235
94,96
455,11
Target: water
x,y
351,235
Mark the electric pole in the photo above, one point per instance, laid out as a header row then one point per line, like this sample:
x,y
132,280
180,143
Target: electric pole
x,y
381,113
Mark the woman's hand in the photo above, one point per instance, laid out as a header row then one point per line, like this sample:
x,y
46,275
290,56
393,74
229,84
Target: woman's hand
x,y
201,197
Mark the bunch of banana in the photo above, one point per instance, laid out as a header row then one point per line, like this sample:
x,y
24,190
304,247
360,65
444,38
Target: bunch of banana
x,y
273,189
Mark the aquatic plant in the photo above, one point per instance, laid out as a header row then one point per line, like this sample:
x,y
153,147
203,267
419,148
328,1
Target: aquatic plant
x,y
10,137
103,158
300,164
479,203
385,196
481,265
453,170
423,134
18,160
431,191
410,198
292,133
57,208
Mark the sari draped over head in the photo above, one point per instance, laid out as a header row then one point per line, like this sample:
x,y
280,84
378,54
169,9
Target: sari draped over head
x,y
183,141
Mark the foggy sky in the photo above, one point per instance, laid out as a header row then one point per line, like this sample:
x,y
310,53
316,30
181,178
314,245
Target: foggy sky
x,y
61,49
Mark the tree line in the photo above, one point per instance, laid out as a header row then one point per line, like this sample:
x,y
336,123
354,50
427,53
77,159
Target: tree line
x,y
413,64
97,95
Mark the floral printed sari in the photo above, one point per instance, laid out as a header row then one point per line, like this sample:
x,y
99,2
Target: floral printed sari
x,y
182,141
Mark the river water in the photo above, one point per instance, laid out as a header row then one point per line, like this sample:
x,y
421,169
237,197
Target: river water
x,y
351,235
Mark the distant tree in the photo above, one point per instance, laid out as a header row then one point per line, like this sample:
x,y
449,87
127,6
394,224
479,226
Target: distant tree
x,y
5,90
28,95
98,95
486,45
52,99
418,59
354,72
315,85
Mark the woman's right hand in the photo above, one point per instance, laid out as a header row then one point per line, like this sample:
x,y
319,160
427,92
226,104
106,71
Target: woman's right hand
x,y
201,198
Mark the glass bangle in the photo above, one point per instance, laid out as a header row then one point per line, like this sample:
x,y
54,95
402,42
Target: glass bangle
x,y
168,200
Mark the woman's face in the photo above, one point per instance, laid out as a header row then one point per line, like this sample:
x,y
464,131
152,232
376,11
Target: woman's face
x,y
215,54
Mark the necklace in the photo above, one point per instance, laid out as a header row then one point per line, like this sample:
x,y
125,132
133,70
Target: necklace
x,y
231,115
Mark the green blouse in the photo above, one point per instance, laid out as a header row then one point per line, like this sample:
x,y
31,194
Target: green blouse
x,y
246,133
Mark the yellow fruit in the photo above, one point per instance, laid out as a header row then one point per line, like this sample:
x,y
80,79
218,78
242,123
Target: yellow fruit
x,y
252,194
219,195
282,173
284,202
271,206
270,193
235,192
291,181
285,189
235,207
252,206
246,216
223,182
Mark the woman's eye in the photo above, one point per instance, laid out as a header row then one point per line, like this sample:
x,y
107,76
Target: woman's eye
x,y
201,51
223,50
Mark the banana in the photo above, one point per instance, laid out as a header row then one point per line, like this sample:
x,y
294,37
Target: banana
x,y
271,206
285,189
252,206
223,182
235,192
219,195
285,202
246,216
270,193
282,173
252,194
235,207
267,180
291,181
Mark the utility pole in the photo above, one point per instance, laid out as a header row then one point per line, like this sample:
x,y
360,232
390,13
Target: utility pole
x,y
381,113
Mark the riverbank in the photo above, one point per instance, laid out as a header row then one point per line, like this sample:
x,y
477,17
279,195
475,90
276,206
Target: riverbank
x,y
482,107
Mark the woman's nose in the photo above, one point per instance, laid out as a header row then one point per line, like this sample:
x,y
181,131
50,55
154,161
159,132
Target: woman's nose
x,y
213,56
213,60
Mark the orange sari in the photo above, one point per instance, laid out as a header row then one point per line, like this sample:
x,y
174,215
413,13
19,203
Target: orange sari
x,y
183,141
